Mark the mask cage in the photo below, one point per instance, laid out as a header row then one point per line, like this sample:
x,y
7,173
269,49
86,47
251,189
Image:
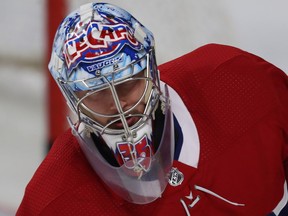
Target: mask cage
x,y
151,95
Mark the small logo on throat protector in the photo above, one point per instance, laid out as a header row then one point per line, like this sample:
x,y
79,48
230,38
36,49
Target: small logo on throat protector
x,y
135,155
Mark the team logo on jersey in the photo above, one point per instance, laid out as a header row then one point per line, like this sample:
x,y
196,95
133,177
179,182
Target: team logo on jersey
x,y
175,177
136,156
97,42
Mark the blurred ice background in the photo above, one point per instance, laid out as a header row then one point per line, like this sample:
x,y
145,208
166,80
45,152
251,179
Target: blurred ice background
x,y
180,26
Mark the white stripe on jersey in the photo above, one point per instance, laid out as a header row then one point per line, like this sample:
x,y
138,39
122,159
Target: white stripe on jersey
x,y
282,202
190,150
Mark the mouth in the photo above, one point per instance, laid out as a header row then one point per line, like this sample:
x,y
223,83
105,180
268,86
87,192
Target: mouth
x,y
130,122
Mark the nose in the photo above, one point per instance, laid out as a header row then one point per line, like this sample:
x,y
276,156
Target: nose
x,y
122,102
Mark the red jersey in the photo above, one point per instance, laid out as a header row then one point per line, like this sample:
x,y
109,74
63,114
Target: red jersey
x,y
238,163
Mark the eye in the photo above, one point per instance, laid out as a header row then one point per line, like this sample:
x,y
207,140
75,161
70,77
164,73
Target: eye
x,y
129,85
99,95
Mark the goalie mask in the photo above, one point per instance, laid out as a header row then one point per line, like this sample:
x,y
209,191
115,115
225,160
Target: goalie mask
x,y
103,60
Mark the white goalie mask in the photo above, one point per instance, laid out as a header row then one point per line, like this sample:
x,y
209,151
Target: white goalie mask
x,y
103,60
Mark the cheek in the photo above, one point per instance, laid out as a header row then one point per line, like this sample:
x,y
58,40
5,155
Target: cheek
x,y
140,107
96,106
100,120
101,104
137,91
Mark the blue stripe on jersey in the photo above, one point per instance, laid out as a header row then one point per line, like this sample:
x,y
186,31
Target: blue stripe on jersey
x,y
284,211
178,138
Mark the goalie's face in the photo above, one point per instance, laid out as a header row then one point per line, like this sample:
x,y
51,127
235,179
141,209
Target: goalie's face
x,y
107,105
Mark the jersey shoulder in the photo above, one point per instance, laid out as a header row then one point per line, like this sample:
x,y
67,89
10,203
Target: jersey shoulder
x,y
61,173
226,91
223,71
198,63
